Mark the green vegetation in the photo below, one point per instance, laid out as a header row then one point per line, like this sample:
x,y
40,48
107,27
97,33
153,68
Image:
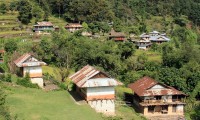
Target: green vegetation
x,y
37,104
175,63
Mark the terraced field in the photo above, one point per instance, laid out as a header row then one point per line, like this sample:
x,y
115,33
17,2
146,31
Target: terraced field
x,y
11,27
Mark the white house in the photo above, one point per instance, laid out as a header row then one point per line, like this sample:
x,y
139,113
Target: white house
x,y
97,88
32,66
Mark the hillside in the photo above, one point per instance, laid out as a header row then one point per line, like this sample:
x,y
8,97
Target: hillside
x,y
175,63
36,104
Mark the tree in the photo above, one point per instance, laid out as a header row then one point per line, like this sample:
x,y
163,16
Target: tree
x,y
38,13
13,6
64,73
10,46
24,8
3,8
127,49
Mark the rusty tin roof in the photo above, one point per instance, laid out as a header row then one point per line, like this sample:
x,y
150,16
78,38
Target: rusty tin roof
x,y
84,78
71,25
44,23
28,60
113,33
142,88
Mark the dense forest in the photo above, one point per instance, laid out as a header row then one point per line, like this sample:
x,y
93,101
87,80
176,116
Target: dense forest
x,y
180,58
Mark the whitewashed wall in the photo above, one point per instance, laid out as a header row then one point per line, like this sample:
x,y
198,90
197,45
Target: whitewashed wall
x,y
104,106
93,91
179,108
32,70
38,81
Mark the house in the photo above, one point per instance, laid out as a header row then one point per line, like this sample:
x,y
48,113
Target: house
x,y
43,26
117,36
29,64
1,55
155,37
143,44
156,99
97,88
72,27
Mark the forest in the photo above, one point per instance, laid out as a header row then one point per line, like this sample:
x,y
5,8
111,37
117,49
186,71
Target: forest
x,y
179,66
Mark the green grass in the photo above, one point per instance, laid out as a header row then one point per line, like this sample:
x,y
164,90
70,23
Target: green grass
x,y
12,32
152,56
128,113
54,71
9,26
8,17
35,104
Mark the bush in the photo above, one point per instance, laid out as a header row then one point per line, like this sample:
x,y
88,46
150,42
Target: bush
x,y
70,85
6,77
4,113
26,82
121,91
63,86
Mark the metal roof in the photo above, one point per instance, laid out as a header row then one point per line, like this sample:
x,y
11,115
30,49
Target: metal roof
x,y
155,36
85,78
44,23
142,88
72,25
116,34
22,61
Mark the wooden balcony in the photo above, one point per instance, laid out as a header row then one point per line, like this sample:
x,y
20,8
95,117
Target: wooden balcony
x,y
161,102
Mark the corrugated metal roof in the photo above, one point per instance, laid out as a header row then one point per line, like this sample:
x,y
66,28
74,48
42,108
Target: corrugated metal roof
x,y
44,23
142,88
71,25
22,61
83,78
155,36
116,34
100,82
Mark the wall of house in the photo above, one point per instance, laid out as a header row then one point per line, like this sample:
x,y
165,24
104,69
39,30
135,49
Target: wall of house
x,y
179,108
38,81
100,93
104,106
34,71
157,87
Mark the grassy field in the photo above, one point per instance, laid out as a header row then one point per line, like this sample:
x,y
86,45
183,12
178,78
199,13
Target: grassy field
x,y
152,56
35,104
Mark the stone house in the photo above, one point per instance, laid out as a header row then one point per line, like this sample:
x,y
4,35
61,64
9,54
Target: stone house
x,y
97,88
146,40
29,64
117,36
156,99
43,26
72,27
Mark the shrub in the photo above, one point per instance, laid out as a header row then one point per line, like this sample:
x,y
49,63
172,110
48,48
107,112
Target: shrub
x,y
63,86
26,82
6,77
70,85
121,91
4,113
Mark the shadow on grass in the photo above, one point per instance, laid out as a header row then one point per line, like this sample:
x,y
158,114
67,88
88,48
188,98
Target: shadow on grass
x,y
77,98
